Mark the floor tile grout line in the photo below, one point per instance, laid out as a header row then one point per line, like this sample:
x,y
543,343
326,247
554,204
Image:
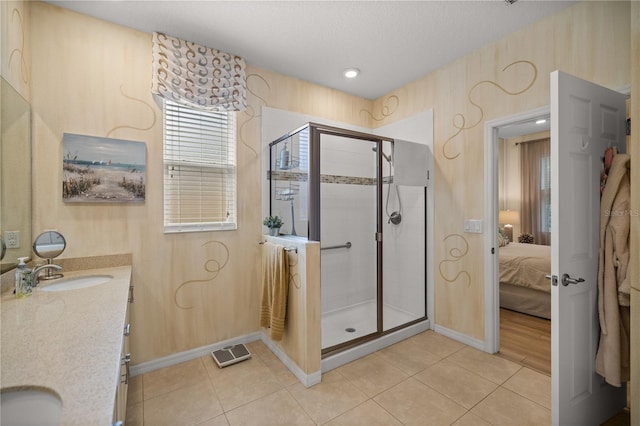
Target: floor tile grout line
x,y
405,375
173,390
412,376
215,390
142,399
300,405
451,399
526,397
499,384
493,391
387,411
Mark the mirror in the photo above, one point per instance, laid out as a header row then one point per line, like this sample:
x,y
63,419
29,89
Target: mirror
x,y
49,244
15,175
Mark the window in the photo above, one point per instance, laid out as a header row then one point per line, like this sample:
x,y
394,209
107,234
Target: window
x,y
545,193
199,169
535,202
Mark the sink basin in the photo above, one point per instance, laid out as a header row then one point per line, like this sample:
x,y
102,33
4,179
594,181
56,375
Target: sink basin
x,y
75,283
30,406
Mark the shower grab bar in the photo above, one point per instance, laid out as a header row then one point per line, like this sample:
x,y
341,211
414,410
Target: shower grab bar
x,y
346,245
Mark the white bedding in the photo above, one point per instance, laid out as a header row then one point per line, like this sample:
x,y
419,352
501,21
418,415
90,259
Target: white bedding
x,y
523,285
525,265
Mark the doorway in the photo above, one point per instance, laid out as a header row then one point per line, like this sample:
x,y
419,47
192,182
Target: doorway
x,y
506,128
522,255
585,120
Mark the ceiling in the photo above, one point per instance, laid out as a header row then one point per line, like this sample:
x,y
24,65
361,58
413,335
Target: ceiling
x,y
526,127
391,42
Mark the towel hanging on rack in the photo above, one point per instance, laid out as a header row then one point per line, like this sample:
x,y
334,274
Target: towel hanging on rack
x,y
275,288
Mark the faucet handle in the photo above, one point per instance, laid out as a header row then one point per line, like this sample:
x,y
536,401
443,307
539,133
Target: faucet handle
x,y
50,275
35,274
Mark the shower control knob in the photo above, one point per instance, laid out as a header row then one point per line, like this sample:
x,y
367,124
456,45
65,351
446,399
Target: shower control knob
x,y
395,218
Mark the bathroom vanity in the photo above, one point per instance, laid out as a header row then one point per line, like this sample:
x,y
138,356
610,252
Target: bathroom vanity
x,y
70,343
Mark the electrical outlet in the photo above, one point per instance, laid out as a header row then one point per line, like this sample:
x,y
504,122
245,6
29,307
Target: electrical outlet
x,y
12,239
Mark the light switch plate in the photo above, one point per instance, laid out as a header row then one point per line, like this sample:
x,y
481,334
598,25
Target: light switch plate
x,y
473,226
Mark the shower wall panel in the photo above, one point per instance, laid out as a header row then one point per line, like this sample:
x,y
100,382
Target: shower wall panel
x,y
348,274
404,253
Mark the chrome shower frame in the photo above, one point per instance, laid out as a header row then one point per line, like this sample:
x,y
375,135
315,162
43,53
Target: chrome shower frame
x,y
316,131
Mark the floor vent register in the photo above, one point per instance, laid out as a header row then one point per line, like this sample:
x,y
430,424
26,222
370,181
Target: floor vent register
x,y
231,355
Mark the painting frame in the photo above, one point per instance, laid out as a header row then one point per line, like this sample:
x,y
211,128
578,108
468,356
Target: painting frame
x,y
103,170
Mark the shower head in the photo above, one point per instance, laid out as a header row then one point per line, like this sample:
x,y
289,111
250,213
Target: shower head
x,y
386,157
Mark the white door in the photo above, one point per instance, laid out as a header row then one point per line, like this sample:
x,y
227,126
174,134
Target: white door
x,y
585,119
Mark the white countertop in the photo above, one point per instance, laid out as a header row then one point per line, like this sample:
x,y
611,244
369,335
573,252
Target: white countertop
x,y
70,342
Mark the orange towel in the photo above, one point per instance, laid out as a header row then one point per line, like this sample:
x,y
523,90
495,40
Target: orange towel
x,y
275,288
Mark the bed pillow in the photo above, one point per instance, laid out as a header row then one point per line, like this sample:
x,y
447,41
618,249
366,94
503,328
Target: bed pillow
x,y
502,240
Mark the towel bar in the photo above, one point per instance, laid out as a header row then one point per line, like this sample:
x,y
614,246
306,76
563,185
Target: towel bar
x,y
285,249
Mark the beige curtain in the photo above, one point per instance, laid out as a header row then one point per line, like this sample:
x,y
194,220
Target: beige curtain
x,y
535,213
197,76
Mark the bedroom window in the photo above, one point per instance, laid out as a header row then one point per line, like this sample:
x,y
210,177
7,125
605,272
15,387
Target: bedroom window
x,y
535,209
199,169
545,193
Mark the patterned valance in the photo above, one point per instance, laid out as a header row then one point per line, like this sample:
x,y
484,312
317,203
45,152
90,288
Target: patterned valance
x,y
198,76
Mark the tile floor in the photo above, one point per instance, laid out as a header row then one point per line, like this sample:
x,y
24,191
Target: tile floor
x,y
427,379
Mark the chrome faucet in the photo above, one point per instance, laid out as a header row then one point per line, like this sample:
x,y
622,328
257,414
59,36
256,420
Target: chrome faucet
x,y
49,266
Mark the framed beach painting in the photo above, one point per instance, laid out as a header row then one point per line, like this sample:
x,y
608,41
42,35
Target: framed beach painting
x,y
103,170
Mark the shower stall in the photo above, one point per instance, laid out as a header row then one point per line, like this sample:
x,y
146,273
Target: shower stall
x,y
336,186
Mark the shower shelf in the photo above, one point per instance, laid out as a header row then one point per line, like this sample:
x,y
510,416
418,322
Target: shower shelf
x,y
288,191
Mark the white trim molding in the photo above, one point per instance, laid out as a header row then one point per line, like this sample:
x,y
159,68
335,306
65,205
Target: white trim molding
x,y
307,379
462,338
372,346
491,342
177,358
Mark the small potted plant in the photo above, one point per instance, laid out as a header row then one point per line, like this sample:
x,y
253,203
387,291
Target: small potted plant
x,y
273,223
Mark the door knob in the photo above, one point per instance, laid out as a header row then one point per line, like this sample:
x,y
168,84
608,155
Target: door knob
x,y
566,280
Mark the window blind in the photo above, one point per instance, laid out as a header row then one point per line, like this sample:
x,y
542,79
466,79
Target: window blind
x,y
199,169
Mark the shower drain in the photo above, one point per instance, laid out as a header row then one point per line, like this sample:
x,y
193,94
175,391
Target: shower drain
x,y
350,330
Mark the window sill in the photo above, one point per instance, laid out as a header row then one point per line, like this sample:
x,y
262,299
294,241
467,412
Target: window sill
x,y
199,227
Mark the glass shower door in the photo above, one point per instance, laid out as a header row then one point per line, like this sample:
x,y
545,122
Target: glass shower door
x,y
349,219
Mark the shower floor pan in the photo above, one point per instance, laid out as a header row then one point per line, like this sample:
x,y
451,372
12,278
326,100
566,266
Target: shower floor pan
x,y
342,325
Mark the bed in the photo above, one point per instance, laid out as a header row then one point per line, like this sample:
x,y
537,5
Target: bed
x,y
523,285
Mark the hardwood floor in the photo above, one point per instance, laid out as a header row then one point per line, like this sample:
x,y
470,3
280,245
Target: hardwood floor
x,y
526,339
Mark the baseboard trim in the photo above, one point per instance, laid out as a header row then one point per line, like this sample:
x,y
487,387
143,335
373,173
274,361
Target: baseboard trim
x,y
310,379
307,380
177,358
462,338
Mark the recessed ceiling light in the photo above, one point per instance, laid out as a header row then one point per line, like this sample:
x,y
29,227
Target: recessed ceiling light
x,y
351,72
541,121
